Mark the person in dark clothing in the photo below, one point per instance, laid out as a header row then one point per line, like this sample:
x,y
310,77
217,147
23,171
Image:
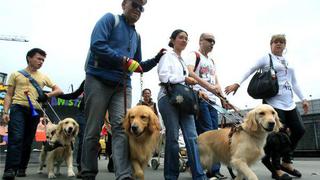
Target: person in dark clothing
x,y
147,100
80,120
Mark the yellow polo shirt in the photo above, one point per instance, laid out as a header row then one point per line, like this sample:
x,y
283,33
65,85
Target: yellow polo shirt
x,y
20,83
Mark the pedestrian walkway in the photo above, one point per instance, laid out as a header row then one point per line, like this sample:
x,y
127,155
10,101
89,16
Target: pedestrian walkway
x,y
310,168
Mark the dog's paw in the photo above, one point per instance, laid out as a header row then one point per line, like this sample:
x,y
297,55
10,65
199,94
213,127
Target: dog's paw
x,y
51,176
71,173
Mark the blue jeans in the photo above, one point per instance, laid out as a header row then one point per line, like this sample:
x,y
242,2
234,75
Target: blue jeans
x,y
173,120
21,131
100,98
207,120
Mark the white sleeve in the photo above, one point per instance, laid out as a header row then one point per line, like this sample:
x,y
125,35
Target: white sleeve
x,y
168,70
260,63
296,87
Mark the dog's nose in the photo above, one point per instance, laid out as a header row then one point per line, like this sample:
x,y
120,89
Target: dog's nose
x,y
271,125
134,128
70,129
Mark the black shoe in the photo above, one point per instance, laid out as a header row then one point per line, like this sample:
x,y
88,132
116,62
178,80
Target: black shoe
x,y
218,175
79,175
88,178
282,177
293,172
21,173
9,174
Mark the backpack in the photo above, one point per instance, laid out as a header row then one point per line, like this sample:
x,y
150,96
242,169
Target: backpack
x,y
116,23
197,61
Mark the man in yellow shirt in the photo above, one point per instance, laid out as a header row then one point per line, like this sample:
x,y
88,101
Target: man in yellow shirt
x,y
22,123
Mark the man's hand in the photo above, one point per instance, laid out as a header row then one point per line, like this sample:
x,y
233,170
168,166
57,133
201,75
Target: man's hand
x,y
203,95
133,66
6,118
190,81
160,54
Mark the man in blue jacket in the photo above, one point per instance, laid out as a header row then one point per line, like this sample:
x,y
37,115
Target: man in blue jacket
x,y
115,53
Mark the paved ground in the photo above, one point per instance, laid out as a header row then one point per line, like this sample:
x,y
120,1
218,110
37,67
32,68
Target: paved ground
x,y
310,168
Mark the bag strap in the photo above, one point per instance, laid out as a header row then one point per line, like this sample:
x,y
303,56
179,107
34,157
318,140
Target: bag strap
x,y
197,61
33,81
271,63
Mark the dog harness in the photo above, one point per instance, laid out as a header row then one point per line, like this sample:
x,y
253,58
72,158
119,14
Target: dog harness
x,y
234,129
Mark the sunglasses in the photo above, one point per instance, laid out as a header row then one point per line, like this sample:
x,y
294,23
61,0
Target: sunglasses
x,y
210,40
137,6
279,41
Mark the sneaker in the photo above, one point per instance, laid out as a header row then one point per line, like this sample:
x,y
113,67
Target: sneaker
x,y
21,173
218,175
9,175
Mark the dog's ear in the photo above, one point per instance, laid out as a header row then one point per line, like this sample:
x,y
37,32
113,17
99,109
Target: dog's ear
x,y
59,127
76,131
154,124
278,123
251,120
126,122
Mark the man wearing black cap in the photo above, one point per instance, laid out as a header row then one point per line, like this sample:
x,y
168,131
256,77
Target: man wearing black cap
x,y
115,53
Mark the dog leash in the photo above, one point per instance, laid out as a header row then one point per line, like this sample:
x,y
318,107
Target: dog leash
x,y
225,113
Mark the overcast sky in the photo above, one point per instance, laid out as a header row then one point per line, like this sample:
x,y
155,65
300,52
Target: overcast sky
x,y
242,30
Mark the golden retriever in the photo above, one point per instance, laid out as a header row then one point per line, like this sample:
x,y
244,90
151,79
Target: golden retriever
x,y
50,132
64,136
244,146
142,126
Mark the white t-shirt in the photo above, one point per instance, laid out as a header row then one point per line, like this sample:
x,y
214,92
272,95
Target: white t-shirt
x,y
206,70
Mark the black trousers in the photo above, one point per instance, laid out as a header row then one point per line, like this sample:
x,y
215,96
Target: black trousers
x,y
293,120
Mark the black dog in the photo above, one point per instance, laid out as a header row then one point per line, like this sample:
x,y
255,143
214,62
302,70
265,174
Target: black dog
x,y
278,144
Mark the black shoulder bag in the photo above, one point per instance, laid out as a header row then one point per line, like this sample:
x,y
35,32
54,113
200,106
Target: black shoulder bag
x,y
183,96
264,84
42,97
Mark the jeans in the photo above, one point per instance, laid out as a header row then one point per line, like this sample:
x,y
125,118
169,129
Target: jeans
x,y
21,131
173,120
207,120
101,98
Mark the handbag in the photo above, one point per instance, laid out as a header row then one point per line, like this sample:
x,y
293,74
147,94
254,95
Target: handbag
x,y
183,97
264,84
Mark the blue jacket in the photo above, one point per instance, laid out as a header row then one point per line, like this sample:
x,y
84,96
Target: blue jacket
x,y
109,44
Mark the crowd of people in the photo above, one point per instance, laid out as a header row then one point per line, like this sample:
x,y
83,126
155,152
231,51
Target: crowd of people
x,y
115,54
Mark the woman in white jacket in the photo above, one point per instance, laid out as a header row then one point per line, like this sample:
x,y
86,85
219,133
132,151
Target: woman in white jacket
x,y
283,102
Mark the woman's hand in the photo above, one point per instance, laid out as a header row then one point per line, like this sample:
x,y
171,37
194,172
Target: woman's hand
x,y
305,106
190,81
232,88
